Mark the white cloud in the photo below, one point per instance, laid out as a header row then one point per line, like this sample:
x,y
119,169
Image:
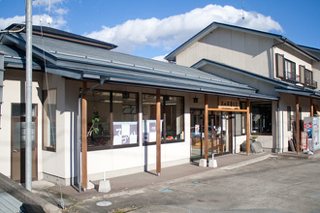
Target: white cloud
x,y
169,32
46,3
53,15
160,58
44,20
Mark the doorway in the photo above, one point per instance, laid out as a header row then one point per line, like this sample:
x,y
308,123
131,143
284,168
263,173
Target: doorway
x,y
220,133
18,141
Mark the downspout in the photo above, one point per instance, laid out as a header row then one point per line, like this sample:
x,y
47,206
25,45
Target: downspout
x,y
1,80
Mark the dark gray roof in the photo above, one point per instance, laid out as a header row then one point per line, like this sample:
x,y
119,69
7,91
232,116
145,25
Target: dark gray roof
x,y
214,25
278,85
63,35
312,50
74,60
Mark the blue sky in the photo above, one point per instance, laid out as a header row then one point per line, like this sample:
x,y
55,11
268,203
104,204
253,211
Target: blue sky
x,y
152,28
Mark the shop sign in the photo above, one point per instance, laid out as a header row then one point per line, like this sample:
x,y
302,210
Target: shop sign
x,y
229,103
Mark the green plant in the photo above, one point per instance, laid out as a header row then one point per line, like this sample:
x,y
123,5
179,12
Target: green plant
x,y
94,128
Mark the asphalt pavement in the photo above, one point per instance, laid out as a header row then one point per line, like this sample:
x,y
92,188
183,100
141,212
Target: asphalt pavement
x,y
274,185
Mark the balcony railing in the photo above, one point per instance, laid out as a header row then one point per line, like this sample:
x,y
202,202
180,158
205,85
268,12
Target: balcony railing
x,y
312,84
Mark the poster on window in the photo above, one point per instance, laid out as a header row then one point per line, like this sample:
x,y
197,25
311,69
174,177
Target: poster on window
x,y
150,130
125,133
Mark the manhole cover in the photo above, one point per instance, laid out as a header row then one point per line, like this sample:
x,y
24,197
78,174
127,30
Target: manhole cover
x,y
166,190
104,203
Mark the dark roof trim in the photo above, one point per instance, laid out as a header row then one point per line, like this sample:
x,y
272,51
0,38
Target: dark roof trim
x,y
294,92
63,35
40,54
171,56
205,62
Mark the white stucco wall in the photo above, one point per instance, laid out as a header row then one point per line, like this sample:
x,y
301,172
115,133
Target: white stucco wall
x,y
238,49
56,163
14,92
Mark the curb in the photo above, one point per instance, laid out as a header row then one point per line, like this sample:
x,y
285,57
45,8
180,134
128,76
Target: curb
x,y
247,162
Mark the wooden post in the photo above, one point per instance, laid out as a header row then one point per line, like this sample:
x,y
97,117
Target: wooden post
x,y
311,108
298,124
248,128
84,137
158,133
206,115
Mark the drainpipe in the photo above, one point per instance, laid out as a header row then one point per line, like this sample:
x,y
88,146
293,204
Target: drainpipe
x,y
1,80
28,96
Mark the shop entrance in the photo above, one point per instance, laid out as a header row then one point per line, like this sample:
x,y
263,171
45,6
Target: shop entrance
x,y
219,133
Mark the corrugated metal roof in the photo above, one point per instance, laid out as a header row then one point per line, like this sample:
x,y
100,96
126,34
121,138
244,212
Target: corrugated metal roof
x,y
278,85
63,35
8,203
78,61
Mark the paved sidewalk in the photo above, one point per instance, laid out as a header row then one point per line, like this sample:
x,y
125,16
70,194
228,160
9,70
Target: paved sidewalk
x,y
124,185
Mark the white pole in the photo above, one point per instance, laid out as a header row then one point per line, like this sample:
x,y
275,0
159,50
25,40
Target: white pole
x,y
28,95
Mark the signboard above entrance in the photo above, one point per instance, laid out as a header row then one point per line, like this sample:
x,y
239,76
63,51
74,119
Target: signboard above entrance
x,y
229,103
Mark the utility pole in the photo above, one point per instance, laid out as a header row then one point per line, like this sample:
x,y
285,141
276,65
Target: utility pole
x,y
28,96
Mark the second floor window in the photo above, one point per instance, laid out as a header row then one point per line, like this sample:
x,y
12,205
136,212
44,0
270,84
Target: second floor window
x,y
290,70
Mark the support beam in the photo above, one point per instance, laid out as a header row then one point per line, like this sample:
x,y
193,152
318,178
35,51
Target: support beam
x,y
206,119
311,108
158,133
298,124
84,146
248,128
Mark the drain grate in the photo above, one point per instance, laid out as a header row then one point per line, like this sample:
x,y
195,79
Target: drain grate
x,y
104,203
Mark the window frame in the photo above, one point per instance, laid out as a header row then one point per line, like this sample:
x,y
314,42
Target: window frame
x,y
111,120
163,141
291,70
45,96
252,113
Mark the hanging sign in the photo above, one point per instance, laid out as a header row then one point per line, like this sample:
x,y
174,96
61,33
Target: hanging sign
x,y
229,103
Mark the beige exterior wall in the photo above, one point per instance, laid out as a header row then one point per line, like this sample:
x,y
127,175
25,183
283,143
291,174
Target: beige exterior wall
x,y
242,50
14,92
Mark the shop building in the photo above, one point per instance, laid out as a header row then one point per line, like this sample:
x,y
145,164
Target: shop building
x,y
99,112
269,62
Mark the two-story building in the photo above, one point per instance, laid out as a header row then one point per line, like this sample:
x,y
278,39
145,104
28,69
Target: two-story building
x,y
99,112
269,62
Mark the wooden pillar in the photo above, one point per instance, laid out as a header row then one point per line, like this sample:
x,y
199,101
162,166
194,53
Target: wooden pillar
x,y
298,124
248,128
311,108
84,146
206,118
158,133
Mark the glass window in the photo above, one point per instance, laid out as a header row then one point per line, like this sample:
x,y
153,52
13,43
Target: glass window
x,y
49,120
112,119
290,70
125,118
172,118
261,119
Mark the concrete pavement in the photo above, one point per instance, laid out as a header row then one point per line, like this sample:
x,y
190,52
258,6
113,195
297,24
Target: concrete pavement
x,y
135,184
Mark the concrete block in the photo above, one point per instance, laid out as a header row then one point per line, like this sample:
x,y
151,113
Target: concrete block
x,y
104,186
213,163
203,163
90,185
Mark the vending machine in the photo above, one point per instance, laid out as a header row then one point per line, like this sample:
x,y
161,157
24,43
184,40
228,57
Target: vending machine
x,y
312,132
